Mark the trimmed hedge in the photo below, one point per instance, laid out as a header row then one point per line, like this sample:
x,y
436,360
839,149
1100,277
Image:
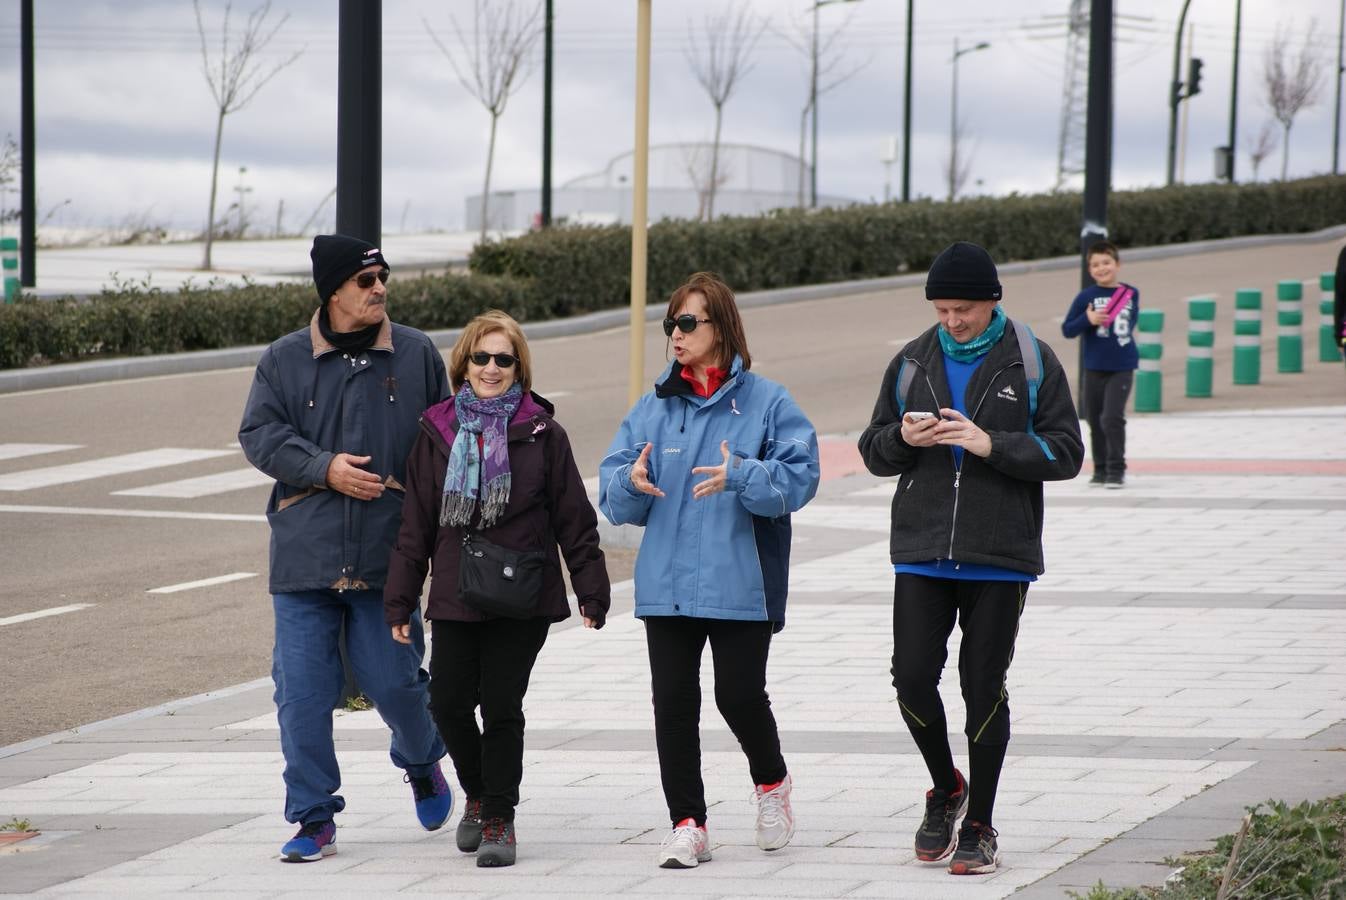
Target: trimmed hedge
x,y
566,271
589,268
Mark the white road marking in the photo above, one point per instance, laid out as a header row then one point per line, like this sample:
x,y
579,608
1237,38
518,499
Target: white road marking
x,y
105,467
131,513
43,613
204,582
14,451
219,483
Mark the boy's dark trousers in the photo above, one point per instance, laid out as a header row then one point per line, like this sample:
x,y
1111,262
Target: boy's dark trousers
x,y
1105,395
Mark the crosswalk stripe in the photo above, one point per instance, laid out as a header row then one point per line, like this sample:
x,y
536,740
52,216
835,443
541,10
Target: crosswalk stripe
x,y
102,468
206,485
14,451
131,513
204,582
43,613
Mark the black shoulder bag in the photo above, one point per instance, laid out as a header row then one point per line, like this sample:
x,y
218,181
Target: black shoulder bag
x,y
497,581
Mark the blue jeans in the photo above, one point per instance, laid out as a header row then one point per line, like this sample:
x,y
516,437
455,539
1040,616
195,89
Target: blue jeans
x,y
306,668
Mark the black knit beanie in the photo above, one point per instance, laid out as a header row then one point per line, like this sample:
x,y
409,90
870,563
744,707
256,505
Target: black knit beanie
x,y
963,271
337,257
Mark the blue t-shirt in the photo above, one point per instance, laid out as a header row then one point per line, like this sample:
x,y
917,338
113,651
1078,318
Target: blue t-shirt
x,y
1107,348
958,375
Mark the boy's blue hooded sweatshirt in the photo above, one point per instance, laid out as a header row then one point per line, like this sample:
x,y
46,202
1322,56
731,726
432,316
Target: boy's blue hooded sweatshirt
x,y
726,556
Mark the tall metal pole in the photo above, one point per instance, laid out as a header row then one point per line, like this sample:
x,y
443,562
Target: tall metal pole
x,y
1097,147
1174,92
639,208
906,117
546,118
953,126
813,111
1336,109
359,112
27,155
1234,91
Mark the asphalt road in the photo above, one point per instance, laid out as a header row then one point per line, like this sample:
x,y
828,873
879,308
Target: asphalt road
x,y
81,542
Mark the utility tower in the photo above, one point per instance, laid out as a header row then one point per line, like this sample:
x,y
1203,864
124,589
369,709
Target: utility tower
x,y
1070,144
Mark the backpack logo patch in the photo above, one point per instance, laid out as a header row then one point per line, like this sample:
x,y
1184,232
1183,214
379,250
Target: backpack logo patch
x,y
1007,393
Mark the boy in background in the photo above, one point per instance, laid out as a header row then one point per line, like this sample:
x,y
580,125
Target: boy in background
x,y
1105,314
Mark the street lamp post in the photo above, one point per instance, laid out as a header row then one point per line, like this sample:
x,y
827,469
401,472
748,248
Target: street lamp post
x,y
953,118
813,100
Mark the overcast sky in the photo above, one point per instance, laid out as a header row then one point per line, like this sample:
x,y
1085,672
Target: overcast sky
x,y
125,121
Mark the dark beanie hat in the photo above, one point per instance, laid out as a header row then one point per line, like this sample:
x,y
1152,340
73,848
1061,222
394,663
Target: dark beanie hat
x,y
962,272
337,257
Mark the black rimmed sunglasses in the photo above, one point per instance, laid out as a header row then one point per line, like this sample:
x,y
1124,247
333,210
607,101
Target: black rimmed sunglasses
x,y
503,360
686,323
365,280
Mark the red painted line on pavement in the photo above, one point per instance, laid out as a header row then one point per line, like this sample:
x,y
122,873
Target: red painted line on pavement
x,y
838,458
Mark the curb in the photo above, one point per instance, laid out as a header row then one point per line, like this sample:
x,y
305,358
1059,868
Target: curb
x,y
72,374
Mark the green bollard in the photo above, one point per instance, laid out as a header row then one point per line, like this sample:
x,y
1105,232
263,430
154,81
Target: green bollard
x,y
1289,326
1200,346
1149,380
1329,351
1247,336
9,263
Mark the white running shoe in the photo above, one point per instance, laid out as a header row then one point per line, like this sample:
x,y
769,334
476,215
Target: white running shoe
x,y
775,819
686,846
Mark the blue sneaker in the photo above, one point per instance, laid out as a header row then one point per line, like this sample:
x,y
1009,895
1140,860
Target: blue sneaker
x,y
434,797
313,841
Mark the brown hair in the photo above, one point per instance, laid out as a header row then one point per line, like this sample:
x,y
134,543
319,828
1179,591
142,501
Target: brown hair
x,y
1106,248
489,322
723,314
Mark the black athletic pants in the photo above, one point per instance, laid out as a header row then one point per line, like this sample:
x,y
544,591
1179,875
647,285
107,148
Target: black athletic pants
x,y
1105,396
739,650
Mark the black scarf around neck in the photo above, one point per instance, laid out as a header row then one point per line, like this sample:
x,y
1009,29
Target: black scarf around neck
x,y
349,341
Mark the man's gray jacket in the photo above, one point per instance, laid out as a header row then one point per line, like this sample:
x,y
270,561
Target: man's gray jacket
x,y
310,401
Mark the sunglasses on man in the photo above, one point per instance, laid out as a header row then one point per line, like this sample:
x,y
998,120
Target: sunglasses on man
x,y
503,360
686,323
365,280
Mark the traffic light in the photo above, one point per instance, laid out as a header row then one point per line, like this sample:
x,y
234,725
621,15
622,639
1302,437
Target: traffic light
x,y
1193,76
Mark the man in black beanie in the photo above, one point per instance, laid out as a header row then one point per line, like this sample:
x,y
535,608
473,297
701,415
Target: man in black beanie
x,y
974,415
332,414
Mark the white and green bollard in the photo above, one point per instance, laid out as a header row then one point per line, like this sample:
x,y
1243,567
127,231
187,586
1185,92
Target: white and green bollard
x,y
1289,326
1149,341
1329,351
1247,336
1200,346
9,262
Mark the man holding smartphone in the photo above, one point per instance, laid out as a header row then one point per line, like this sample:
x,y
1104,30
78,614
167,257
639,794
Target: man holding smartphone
x,y
973,429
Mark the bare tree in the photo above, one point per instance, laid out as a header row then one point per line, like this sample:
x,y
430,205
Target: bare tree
x,y
234,79
698,165
729,41
831,74
1262,146
9,173
498,59
1292,84
956,167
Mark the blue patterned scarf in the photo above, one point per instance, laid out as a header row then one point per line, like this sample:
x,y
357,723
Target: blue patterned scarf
x,y
965,353
479,473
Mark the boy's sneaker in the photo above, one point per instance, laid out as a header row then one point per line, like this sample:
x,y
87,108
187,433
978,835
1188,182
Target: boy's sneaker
x,y
686,847
498,844
936,838
469,827
313,841
1115,482
433,796
977,853
775,819
1097,479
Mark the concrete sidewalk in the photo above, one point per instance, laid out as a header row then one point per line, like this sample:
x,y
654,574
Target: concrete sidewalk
x,y
1180,660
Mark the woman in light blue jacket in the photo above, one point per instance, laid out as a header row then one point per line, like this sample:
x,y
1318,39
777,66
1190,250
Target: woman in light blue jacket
x,y
712,463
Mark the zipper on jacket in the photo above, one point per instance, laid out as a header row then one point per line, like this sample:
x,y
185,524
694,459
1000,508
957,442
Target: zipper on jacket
x,y
957,472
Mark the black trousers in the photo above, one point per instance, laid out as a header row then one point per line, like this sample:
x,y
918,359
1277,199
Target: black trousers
x,y
485,664
739,650
1105,396
924,612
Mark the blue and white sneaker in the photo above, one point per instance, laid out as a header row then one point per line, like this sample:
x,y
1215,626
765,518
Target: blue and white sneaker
x,y
313,841
433,796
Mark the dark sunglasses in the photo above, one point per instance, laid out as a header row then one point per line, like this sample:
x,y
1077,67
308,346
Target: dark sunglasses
x,y
686,323
365,280
503,360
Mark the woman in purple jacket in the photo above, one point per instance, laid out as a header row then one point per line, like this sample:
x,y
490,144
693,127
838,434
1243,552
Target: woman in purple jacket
x,y
492,460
